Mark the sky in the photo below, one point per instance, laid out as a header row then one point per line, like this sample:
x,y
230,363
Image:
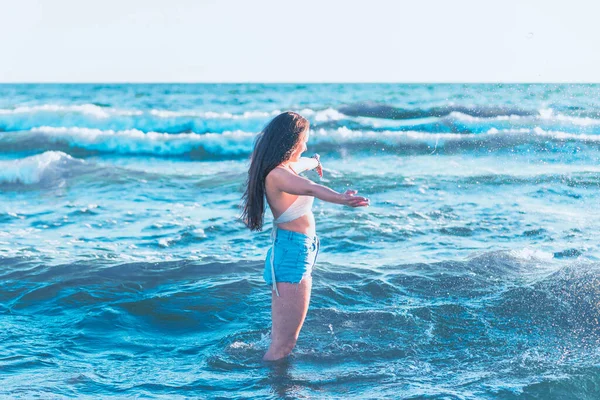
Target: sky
x,y
299,41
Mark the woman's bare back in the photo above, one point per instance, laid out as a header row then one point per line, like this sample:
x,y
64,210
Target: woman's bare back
x,y
280,201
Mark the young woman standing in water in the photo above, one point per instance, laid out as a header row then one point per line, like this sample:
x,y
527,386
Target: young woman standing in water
x,y
274,173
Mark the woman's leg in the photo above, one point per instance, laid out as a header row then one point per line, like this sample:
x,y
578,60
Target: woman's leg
x,y
288,312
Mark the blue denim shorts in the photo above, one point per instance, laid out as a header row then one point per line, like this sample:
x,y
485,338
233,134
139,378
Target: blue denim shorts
x,y
295,257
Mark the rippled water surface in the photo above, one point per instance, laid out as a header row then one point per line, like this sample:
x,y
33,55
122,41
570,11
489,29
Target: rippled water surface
x,y
474,273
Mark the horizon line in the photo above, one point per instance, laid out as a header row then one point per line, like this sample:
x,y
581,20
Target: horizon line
x,y
301,82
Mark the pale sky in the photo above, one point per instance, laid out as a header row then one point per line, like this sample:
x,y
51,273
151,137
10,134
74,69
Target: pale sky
x,y
299,41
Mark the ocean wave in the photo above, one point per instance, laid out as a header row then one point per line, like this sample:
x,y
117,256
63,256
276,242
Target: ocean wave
x,y
449,143
156,120
566,299
159,121
461,119
45,168
106,112
543,115
378,110
448,119
131,142
235,144
457,122
546,119
54,169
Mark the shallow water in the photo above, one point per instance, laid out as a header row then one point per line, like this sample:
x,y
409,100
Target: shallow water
x,y
473,274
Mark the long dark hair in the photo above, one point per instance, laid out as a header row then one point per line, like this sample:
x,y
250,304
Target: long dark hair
x,y
274,145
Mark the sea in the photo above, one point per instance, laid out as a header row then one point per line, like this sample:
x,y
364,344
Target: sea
x,y
126,272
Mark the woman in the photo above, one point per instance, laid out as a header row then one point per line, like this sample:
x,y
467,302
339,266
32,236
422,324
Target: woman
x,y
274,173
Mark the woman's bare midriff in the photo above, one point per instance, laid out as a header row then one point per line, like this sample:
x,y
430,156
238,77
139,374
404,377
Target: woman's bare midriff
x,y
305,224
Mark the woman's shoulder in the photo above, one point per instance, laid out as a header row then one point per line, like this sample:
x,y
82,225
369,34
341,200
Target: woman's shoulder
x,y
279,172
277,176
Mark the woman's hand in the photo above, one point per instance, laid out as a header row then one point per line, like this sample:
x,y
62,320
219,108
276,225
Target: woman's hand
x,y
319,167
350,199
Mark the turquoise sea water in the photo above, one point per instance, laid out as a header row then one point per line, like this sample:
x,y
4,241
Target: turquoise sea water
x,y
474,273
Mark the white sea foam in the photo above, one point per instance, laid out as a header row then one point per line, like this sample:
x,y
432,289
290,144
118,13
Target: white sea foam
x,y
566,136
328,114
344,134
212,114
459,116
545,115
106,112
89,109
539,132
530,254
580,121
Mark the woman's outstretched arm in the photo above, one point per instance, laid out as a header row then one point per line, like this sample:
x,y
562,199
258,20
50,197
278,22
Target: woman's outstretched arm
x,y
289,182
